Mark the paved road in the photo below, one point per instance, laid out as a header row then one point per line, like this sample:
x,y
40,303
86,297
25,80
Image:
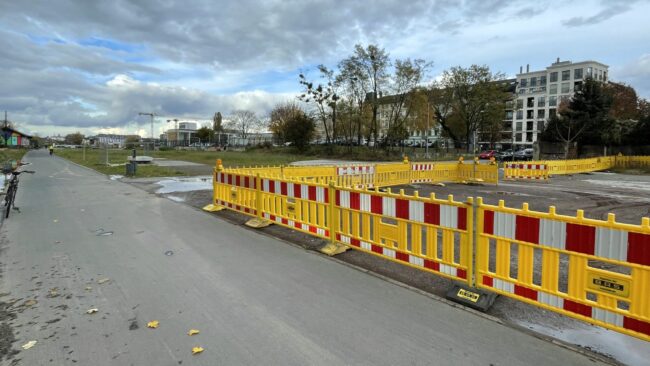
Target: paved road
x,y
256,300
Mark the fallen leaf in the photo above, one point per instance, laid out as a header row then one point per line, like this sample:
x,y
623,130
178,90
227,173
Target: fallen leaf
x,y
30,302
103,280
153,324
29,345
193,332
197,350
92,311
88,288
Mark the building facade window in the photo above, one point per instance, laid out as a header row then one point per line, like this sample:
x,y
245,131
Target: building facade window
x,y
605,75
577,74
552,101
523,83
509,115
533,81
553,89
589,72
529,137
519,126
530,102
520,103
542,80
566,75
541,113
530,114
541,102
522,91
552,112
520,114
565,87
529,125
518,137
554,76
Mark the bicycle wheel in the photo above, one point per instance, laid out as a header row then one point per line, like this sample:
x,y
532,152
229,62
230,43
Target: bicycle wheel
x,y
9,199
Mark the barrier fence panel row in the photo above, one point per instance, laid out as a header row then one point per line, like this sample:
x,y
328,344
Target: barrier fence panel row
x,y
592,270
544,169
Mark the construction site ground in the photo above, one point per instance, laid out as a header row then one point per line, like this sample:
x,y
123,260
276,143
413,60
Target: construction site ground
x,y
599,193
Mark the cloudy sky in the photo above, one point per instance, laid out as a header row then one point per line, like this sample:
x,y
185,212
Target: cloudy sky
x,y
91,66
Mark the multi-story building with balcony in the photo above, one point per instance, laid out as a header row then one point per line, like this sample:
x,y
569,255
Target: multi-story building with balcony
x,y
540,93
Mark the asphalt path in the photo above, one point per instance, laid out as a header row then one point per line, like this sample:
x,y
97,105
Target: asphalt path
x,y
82,241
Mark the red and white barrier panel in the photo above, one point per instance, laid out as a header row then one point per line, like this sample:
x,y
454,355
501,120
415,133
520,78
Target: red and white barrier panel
x,y
404,257
601,242
243,181
355,170
605,316
449,216
421,167
296,190
526,167
233,206
298,225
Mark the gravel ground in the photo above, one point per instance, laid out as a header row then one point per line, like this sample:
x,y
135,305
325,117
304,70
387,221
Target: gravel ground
x,y
627,196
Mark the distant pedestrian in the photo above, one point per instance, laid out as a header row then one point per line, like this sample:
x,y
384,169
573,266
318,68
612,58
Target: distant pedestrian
x,y
51,148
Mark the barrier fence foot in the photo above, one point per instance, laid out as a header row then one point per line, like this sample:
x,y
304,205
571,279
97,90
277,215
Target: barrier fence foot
x,y
333,249
258,223
213,208
471,297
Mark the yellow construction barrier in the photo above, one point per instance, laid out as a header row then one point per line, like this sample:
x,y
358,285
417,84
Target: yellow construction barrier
x,y
591,270
429,234
524,170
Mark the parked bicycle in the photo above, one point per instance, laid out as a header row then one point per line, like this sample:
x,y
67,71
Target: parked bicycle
x,y
10,195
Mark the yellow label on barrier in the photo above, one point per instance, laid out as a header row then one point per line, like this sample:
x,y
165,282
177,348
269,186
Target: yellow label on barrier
x,y
468,295
608,285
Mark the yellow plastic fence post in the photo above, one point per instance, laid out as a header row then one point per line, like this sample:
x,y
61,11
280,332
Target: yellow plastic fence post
x,y
333,247
471,241
213,207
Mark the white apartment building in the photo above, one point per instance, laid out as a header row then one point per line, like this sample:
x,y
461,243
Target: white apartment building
x,y
539,94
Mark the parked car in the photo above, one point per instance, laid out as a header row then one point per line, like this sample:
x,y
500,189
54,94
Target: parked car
x,y
488,154
525,154
505,155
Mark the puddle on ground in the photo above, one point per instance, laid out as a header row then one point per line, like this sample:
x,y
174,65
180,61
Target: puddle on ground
x,y
644,186
185,184
626,349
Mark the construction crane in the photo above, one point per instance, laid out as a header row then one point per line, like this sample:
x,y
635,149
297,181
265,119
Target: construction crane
x,y
152,116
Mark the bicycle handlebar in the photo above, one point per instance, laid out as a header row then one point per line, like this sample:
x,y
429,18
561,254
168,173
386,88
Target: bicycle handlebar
x,y
17,172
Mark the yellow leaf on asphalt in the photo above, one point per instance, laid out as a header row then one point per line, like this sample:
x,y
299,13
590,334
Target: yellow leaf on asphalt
x,y
103,280
193,332
92,311
153,324
197,350
29,345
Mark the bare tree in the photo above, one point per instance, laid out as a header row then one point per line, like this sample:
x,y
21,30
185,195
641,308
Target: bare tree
x,y
373,62
245,122
280,117
324,98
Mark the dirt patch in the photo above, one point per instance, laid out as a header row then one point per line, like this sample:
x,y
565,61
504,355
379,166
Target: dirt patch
x,y
6,332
